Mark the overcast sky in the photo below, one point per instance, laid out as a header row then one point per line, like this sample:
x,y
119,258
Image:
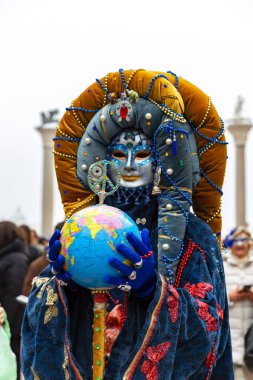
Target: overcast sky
x,y
51,50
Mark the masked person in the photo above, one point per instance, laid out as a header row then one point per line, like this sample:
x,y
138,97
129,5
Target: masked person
x,y
238,266
171,319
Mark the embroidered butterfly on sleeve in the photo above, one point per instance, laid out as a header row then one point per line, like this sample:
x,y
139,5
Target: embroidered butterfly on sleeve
x,y
155,355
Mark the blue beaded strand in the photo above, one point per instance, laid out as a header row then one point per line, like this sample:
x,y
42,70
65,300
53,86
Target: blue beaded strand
x,y
74,139
81,109
179,115
171,276
121,71
175,75
177,203
210,181
102,86
166,259
159,163
214,139
151,84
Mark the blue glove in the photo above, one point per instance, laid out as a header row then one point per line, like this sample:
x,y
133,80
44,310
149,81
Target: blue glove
x,y
142,278
57,261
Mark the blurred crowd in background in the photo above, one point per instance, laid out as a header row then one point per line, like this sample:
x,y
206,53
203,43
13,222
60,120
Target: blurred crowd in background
x,y
23,257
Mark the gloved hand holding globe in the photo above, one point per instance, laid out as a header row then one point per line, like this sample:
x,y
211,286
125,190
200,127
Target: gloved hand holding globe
x,y
100,247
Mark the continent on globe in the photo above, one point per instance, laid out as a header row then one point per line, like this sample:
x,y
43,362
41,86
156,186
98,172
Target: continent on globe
x,y
89,238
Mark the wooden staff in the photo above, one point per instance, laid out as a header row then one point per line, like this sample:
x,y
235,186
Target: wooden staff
x,y
100,300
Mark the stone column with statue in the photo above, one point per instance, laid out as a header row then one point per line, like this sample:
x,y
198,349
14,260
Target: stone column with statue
x,y
47,131
239,127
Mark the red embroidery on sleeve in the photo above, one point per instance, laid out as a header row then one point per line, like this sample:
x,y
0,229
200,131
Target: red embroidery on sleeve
x,y
155,355
172,303
198,290
220,312
203,312
209,362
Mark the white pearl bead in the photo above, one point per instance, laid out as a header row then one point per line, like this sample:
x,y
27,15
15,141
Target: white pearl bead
x,y
87,140
148,116
168,206
84,167
102,118
168,141
165,247
169,171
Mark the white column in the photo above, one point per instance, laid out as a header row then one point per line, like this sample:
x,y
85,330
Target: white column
x,y
239,127
47,132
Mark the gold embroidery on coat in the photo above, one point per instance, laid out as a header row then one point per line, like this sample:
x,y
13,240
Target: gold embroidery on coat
x,y
52,310
65,366
38,281
35,376
51,296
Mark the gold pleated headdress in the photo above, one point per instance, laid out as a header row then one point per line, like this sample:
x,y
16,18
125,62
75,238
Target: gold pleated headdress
x,y
177,98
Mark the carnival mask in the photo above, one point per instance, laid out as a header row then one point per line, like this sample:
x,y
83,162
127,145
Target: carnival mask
x,y
132,152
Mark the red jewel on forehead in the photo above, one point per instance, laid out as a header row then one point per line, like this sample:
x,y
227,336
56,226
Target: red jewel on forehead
x,y
123,112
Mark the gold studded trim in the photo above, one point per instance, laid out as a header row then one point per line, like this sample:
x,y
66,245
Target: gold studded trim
x,y
166,111
76,117
132,75
64,155
216,213
206,114
165,237
64,134
173,188
88,200
103,122
106,86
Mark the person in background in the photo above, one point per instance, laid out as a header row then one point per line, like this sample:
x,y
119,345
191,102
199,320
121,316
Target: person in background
x,y
33,251
8,362
37,266
13,267
238,268
40,242
1,316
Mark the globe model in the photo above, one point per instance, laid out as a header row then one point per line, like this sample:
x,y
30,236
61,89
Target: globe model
x,y
89,238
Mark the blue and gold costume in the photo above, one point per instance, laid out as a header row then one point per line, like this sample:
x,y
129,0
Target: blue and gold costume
x,y
181,330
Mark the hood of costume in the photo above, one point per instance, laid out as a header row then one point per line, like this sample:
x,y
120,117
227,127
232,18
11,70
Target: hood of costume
x,y
188,147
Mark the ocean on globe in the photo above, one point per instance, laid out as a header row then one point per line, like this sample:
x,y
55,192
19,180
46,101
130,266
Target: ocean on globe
x,y
88,240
